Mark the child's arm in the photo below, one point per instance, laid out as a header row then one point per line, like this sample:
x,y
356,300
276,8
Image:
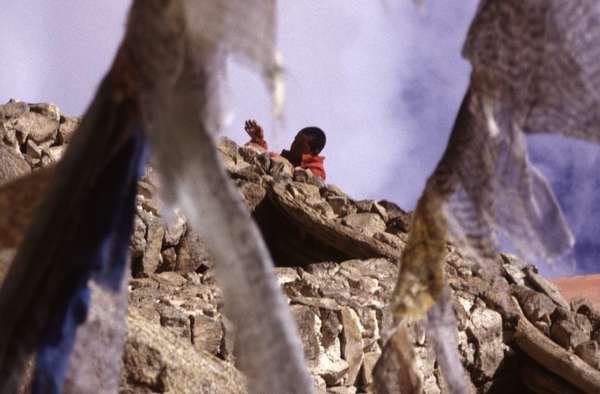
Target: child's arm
x,y
256,133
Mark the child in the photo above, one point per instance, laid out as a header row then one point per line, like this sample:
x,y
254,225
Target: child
x,y
305,149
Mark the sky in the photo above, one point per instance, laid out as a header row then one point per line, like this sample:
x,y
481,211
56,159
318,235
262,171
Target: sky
x,y
384,79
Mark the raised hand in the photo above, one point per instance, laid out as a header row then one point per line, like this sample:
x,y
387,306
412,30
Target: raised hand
x,y
254,130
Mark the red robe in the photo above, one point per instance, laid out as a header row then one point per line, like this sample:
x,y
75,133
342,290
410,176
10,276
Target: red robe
x,y
314,163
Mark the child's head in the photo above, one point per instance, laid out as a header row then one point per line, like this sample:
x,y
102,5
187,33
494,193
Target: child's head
x,y
309,140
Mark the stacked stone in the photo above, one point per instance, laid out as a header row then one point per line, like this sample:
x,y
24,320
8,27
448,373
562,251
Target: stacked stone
x,y
339,264
37,134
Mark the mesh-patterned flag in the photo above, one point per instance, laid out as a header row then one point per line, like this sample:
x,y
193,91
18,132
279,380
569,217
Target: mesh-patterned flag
x,y
534,71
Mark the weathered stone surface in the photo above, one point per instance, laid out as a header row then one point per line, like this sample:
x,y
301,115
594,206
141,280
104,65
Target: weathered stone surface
x,y
157,361
567,334
589,351
486,330
36,126
281,169
536,306
207,333
192,253
169,260
138,239
13,109
367,223
253,194
67,127
340,205
175,229
353,343
12,164
309,326
152,257
548,288
338,295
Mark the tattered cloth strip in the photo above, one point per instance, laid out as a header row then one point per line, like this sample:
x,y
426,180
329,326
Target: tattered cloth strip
x,y
81,231
242,28
535,70
165,79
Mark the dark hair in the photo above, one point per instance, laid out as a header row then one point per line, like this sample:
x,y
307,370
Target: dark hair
x,y
317,139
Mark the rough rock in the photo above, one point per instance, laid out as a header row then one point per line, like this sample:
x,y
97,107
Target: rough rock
x,y
353,343
338,260
366,222
157,361
567,334
12,164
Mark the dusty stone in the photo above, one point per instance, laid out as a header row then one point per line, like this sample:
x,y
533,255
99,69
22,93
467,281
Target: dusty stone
x,y
253,194
583,323
513,268
309,326
426,364
536,306
567,334
331,327
310,193
152,257
369,362
229,148
286,275
177,321
48,110
138,239
585,307
33,150
364,206
12,164
35,126
395,212
546,287
367,223
244,171
300,174
175,230
339,204
207,334
157,361
380,210
589,351
169,260
67,127
353,344
13,109
515,274
250,152
486,329
332,371
149,205
192,253
390,239
342,390
323,208
281,169
55,153
168,278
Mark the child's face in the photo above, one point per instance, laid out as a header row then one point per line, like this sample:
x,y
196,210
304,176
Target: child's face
x,y
300,146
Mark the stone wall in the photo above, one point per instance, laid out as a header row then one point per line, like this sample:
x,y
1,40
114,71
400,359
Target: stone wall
x,y
338,260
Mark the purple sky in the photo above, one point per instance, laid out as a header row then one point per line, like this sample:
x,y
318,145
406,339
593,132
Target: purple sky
x,y
383,79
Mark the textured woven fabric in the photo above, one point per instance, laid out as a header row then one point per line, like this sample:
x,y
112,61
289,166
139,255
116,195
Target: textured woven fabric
x,y
534,70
